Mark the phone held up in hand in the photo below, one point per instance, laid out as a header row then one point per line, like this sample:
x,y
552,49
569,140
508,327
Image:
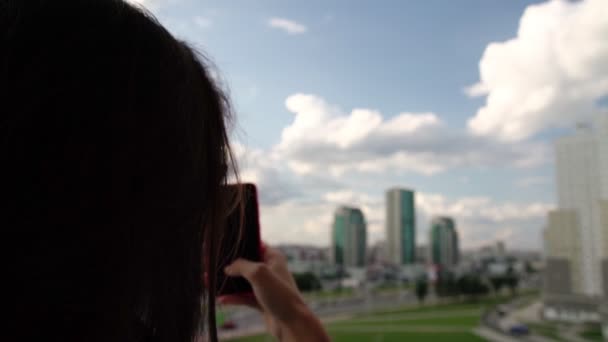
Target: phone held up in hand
x,y
240,239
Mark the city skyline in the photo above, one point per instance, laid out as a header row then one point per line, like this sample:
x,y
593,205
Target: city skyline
x,y
336,102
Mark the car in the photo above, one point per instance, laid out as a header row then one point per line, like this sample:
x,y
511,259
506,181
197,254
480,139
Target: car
x,y
228,325
519,330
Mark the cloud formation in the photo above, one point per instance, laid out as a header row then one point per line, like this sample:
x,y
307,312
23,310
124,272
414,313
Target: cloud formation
x,y
264,169
322,138
550,75
286,25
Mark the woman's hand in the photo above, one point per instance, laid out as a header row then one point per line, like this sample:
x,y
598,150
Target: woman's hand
x,y
287,316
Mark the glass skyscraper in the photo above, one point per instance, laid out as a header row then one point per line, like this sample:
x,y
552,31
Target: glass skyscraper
x,y
401,226
349,237
444,242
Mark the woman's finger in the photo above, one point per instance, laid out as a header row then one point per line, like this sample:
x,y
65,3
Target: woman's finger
x,y
245,300
250,270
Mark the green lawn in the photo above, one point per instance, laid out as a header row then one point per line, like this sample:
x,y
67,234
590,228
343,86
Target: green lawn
x,y
461,306
454,323
388,337
593,334
458,321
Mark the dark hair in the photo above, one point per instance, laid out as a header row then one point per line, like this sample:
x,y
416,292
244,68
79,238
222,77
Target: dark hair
x,y
113,151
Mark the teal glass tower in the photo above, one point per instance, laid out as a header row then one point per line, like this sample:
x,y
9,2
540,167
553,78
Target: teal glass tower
x,y
401,226
349,237
444,242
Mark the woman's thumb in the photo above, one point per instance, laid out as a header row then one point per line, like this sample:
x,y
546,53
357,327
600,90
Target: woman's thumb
x,y
249,270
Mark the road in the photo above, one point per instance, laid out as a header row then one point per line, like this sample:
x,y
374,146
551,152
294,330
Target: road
x,y
499,323
249,322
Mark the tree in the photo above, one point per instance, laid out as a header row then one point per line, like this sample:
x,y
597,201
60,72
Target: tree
x,y
529,268
422,287
498,282
471,286
307,281
446,285
512,280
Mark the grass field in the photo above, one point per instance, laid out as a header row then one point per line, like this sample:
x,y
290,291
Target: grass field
x,y
592,334
389,337
437,323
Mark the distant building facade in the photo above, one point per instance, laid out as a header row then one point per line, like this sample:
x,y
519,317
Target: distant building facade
x,y
422,254
582,188
303,258
443,242
349,237
577,182
563,249
576,235
377,254
401,226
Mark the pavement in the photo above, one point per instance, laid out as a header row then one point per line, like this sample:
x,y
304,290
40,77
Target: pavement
x,y
530,313
516,313
492,335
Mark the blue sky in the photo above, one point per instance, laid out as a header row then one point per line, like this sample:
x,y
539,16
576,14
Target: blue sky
x,y
315,85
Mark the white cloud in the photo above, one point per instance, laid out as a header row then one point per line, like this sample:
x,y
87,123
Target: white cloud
x,y
549,75
288,26
348,197
310,221
264,169
324,139
480,209
482,220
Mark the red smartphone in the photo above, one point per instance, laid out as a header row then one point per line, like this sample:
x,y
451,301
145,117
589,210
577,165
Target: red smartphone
x,y
241,239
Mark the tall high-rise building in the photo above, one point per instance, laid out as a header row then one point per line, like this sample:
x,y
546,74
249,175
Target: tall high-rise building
x,y
401,226
349,237
563,248
604,221
443,242
576,236
582,183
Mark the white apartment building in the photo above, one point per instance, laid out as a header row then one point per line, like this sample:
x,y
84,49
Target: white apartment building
x,y
582,182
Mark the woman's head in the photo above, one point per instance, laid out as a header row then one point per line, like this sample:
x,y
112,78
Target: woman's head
x,y
113,150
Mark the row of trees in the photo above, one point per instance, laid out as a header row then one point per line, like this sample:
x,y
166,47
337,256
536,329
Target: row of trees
x,y
307,281
470,286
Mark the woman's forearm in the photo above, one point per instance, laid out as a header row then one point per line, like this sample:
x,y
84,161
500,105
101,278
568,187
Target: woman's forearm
x,y
306,328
